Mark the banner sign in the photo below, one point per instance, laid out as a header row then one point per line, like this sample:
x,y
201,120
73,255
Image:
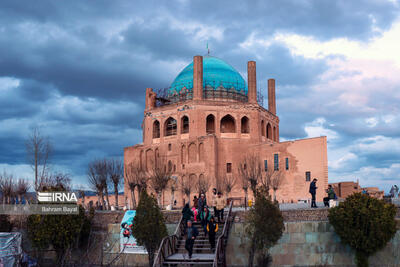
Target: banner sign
x,y
127,241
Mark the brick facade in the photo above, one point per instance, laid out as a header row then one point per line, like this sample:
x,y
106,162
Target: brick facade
x,y
209,138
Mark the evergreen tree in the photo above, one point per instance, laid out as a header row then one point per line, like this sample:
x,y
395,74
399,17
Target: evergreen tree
x,y
366,224
148,225
264,227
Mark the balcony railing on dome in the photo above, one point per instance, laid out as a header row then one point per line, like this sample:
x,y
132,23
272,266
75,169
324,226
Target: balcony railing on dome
x,y
228,90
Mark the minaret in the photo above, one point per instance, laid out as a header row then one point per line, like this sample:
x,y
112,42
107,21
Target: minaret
x,y
150,100
197,77
271,96
251,82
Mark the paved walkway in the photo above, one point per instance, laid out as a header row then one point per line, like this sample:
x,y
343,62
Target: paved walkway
x,y
289,206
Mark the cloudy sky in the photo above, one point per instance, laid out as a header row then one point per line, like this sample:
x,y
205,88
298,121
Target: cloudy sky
x,y
78,70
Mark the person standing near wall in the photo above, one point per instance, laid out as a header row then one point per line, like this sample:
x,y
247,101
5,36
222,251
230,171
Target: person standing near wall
x,y
313,191
220,205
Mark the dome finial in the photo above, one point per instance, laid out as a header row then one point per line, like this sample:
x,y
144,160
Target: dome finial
x,y
208,49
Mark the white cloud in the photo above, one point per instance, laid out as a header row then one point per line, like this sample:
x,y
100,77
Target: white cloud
x,y
316,128
383,47
7,83
368,176
17,171
371,122
377,144
342,161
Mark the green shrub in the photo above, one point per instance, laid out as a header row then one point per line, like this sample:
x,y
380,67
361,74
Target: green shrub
x,y
148,225
60,231
264,227
364,223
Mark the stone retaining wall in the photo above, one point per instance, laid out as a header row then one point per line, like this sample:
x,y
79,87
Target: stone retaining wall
x,y
103,218
312,243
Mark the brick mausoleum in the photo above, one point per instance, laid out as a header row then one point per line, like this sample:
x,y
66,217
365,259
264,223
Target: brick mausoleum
x,y
209,119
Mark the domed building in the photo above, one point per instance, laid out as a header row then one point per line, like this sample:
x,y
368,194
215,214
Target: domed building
x,y
209,128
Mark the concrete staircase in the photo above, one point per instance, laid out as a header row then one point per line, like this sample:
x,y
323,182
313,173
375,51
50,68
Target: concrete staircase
x,y
172,252
202,253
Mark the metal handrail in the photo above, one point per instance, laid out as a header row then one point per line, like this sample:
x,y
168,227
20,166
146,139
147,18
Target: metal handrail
x,y
219,257
168,245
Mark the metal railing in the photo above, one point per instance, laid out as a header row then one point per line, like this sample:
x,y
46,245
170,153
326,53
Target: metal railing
x,y
220,257
169,245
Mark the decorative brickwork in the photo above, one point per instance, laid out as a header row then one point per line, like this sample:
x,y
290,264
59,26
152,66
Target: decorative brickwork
x,y
201,136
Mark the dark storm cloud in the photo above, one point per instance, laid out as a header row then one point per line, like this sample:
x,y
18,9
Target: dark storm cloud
x,y
160,41
323,19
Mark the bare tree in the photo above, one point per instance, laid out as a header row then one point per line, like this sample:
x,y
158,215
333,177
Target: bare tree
x,y
96,180
22,188
202,184
7,187
115,170
185,185
266,180
104,178
159,176
82,194
173,186
38,150
136,178
277,180
228,183
250,171
245,187
55,180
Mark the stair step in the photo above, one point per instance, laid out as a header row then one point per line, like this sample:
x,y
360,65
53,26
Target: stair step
x,y
198,250
187,263
198,245
195,241
196,257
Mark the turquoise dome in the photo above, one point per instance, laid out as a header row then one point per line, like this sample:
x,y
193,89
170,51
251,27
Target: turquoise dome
x,y
216,74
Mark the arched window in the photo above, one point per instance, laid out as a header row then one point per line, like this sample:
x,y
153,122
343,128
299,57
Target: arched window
x,y
169,166
156,129
210,124
183,158
262,128
156,155
201,152
245,125
228,124
185,125
149,159
170,127
269,131
275,134
192,154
